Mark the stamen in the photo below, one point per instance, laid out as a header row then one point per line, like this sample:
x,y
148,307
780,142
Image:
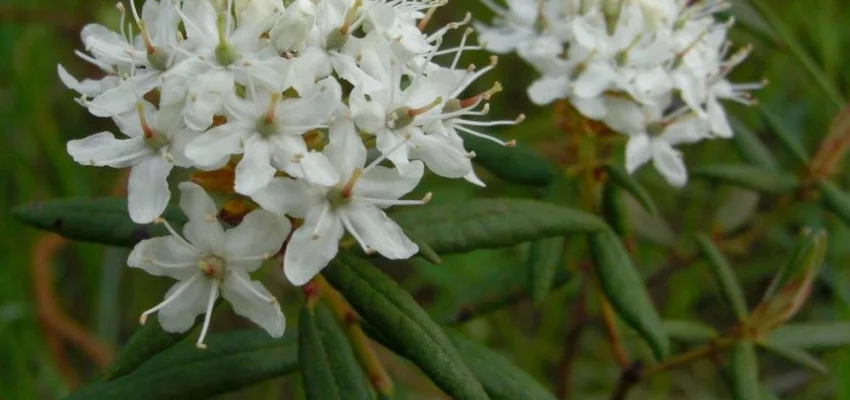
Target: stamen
x,y
144,317
427,18
175,235
253,290
510,143
386,202
210,303
350,228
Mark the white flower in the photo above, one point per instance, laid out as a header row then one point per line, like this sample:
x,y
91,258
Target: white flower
x,y
656,143
268,130
293,27
355,204
155,145
396,117
222,54
144,61
212,262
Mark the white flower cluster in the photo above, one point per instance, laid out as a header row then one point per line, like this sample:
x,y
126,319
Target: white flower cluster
x,y
295,92
653,70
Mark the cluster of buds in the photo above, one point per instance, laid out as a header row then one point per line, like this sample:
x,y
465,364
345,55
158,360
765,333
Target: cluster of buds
x,y
331,110
653,70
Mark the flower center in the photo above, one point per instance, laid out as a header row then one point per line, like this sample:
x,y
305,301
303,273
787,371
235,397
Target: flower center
x,y
267,124
212,267
341,194
153,139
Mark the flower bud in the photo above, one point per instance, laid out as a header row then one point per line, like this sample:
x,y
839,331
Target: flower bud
x,y
291,30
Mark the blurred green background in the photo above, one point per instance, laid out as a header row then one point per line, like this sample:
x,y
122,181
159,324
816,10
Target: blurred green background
x,y
44,354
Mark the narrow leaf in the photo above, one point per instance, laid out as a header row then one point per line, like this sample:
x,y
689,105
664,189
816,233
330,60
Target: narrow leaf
x,y
232,360
751,177
615,209
501,379
513,164
102,220
329,370
492,223
544,258
836,200
146,342
740,207
392,311
625,290
689,331
724,276
812,336
794,354
745,372
789,139
627,182
787,36
750,147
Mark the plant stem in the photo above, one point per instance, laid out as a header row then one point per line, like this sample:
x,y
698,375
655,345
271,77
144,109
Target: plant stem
x,y
350,321
706,350
613,335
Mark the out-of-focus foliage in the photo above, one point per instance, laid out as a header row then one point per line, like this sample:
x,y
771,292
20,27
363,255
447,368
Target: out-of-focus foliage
x,y
45,354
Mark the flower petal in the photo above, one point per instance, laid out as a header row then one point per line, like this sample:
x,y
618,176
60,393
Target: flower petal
x,y
312,245
388,183
165,256
212,149
260,233
179,315
196,203
548,89
244,295
380,232
442,155
103,149
148,192
255,170
668,162
638,152
123,98
288,196
345,149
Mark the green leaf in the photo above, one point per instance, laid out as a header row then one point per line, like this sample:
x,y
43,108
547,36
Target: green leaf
x,y
492,223
812,336
232,360
513,164
759,179
766,9
625,290
544,258
101,220
615,209
621,178
330,370
392,311
501,379
689,331
146,342
794,354
750,147
724,276
836,200
789,139
745,372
